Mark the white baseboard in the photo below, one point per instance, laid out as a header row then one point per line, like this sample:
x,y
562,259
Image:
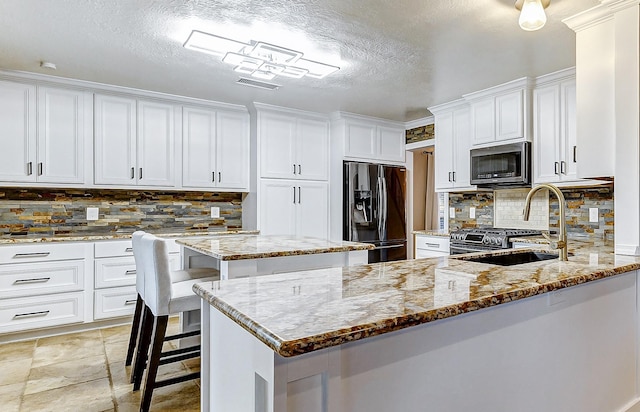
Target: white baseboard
x,y
633,406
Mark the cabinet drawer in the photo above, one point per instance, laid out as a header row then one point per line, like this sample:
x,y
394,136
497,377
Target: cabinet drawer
x,y
114,302
41,278
434,243
115,248
119,271
427,253
42,252
41,311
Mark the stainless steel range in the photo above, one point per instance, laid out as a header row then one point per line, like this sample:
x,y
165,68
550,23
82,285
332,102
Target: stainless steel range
x,y
478,240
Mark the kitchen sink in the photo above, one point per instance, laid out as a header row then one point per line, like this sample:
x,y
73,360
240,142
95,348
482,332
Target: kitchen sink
x,y
516,258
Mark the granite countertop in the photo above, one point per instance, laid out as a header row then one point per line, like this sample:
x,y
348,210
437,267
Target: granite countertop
x,y
299,312
90,237
266,246
443,233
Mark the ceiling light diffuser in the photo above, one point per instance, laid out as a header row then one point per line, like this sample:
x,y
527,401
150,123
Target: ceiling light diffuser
x,y
208,43
258,59
532,16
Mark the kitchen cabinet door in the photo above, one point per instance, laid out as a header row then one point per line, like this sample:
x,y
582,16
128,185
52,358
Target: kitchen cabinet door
x,y
277,146
361,140
232,151
444,150
568,131
199,147
461,145
312,149
546,133
60,135
156,143
277,207
509,116
18,130
312,209
391,143
115,140
483,121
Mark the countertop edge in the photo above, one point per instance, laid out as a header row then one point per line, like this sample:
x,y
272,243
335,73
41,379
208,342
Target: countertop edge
x,y
312,343
116,236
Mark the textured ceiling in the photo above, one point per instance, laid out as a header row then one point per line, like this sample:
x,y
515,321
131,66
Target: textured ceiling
x,y
397,57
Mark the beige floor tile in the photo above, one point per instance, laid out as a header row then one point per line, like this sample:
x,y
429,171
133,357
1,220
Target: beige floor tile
x,y
10,396
193,365
67,373
15,371
17,350
116,351
55,349
88,396
184,397
116,333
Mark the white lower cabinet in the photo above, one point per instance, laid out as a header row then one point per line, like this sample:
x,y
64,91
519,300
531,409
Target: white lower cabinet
x,y
431,246
296,208
42,286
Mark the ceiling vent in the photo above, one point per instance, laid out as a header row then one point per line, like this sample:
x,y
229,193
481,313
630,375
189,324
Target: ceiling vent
x,y
258,84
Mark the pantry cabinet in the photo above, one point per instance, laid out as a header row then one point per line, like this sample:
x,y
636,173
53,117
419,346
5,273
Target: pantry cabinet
x,y
44,133
555,146
135,141
295,208
215,149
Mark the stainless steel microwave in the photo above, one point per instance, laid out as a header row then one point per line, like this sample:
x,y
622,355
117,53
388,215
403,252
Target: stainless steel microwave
x,y
503,165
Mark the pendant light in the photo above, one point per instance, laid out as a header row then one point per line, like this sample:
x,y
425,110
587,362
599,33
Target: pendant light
x,y
532,16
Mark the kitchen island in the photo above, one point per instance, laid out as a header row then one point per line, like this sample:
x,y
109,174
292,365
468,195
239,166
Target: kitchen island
x,y
440,334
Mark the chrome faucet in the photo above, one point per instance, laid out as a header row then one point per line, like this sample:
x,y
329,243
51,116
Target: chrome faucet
x,y
561,243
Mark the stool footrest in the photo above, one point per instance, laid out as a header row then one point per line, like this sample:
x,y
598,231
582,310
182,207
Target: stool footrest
x,y
177,379
182,335
179,357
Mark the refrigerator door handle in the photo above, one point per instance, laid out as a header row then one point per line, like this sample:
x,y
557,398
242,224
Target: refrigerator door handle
x,y
385,207
379,206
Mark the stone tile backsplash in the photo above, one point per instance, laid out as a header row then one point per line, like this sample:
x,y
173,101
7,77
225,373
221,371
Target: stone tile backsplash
x,y
47,212
507,205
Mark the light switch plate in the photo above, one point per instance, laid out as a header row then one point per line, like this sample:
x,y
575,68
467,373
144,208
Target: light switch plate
x,y
472,212
452,212
593,215
215,212
92,213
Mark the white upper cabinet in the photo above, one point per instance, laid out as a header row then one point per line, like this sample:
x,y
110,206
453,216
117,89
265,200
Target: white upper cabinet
x,y
501,113
18,130
293,146
135,141
554,144
452,134
44,131
369,139
215,149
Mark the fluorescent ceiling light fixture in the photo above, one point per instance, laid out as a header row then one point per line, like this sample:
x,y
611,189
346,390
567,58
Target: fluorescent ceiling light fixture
x,y
258,59
532,16
208,43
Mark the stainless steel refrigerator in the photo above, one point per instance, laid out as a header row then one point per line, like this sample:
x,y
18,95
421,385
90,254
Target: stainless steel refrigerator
x,y
374,209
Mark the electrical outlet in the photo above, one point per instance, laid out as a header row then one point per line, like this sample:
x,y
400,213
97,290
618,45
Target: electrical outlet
x,y
215,212
472,212
593,215
92,213
452,212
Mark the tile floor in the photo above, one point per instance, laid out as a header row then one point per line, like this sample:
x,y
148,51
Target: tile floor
x,y
85,372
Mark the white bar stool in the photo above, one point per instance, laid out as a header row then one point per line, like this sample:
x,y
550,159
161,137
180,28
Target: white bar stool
x,y
162,298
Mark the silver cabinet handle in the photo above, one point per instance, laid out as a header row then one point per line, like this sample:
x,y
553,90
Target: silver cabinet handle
x,y
555,168
129,249
449,176
563,167
434,245
40,169
574,154
454,176
32,280
213,176
30,314
299,169
299,194
294,195
130,272
31,255
130,302
133,172
219,177
29,168
294,169
140,177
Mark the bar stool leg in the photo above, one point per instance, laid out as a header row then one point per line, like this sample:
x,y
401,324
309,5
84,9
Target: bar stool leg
x,y
135,331
143,348
159,332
